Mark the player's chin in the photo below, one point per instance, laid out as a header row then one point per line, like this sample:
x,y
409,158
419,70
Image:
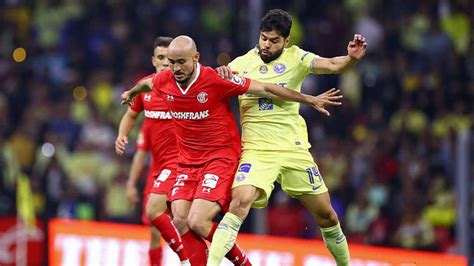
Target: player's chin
x,y
266,57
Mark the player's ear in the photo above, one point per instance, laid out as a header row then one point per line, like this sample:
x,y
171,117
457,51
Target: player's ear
x,y
153,61
286,41
196,57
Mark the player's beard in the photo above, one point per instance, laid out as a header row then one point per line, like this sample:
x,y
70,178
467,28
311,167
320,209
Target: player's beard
x,y
268,58
185,81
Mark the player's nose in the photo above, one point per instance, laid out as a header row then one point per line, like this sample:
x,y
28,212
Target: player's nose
x,y
266,44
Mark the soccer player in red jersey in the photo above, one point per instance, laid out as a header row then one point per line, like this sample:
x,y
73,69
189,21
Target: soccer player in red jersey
x,y
207,135
156,136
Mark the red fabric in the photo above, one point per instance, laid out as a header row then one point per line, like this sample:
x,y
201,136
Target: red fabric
x,y
164,181
236,255
160,184
155,256
196,247
157,131
204,123
278,217
170,234
211,181
157,136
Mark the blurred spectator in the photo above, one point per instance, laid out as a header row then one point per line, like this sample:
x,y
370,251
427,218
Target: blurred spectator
x,y
458,26
9,171
284,207
390,145
122,212
359,216
414,232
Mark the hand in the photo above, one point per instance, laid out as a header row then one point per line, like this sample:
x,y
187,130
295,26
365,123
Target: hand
x,y
357,47
226,72
330,97
120,143
132,194
126,97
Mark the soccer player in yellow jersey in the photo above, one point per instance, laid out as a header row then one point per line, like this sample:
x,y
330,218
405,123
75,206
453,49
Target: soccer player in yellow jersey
x,y
274,136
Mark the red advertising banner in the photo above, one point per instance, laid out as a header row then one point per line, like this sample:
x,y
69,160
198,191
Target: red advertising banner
x,y
93,243
10,231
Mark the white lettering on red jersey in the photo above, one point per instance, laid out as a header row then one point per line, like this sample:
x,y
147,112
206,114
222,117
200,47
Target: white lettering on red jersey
x,y
205,126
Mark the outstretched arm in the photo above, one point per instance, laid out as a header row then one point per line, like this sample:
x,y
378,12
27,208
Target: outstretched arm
x,y
272,91
143,85
126,125
355,51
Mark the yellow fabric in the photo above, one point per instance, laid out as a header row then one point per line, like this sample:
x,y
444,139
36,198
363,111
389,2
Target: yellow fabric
x,y
336,243
458,27
294,170
270,124
24,201
415,121
224,238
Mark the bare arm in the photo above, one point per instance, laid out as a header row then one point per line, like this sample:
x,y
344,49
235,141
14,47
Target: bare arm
x,y
319,102
276,92
126,125
355,51
136,169
144,85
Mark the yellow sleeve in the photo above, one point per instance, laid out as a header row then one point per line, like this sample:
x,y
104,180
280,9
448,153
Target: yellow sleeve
x,y
305,59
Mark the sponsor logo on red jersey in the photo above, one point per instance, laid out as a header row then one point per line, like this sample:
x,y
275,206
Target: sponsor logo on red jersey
x,y
191,115
157,114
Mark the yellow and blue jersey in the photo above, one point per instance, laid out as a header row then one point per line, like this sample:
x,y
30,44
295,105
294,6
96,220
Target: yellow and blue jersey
x,y
272,124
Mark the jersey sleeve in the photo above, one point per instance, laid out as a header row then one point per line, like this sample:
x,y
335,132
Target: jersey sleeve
x,y
142,140
305,59
158,82
237,86
137,104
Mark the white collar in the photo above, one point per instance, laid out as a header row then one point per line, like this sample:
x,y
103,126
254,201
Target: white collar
x,y
198,72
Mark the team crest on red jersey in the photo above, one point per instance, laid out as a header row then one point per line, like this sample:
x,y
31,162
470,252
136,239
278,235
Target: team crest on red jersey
x,y
238,80
202,97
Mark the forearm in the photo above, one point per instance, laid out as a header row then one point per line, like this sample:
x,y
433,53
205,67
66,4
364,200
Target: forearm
x,y
342,63
276,92
136,169
126,124
139,88
333,65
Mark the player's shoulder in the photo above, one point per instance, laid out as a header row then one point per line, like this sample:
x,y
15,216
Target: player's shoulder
x,y
297,54
209,72
252,53
294,51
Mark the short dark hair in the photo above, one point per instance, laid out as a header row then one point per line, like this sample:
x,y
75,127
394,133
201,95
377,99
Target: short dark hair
x,y
162,41
277,20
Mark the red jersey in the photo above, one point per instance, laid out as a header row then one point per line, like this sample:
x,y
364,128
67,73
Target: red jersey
x,y
157,132
204,123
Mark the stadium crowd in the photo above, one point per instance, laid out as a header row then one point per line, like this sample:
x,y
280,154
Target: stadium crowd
x,y
386,155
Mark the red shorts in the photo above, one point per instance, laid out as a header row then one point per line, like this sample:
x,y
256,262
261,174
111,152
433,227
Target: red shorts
x,y
160,183
211,181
